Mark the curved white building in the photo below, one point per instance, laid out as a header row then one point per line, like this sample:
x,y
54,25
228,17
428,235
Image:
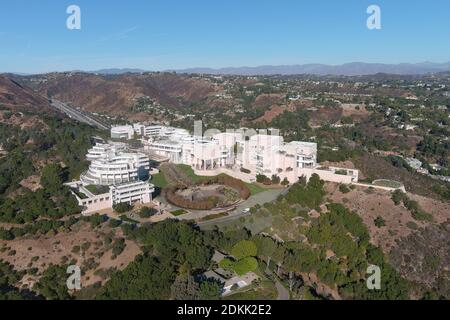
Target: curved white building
x,y
117,168
100,150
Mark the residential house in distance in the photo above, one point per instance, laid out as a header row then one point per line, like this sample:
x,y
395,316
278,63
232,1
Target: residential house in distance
x,y
230,281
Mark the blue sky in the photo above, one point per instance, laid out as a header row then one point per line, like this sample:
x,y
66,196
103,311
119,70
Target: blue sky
x,y
169,34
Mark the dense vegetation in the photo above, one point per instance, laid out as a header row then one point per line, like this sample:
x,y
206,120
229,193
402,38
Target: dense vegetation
x,y
243,260
413,206
52,284
8,278
333,246
338,249
175,256
61,142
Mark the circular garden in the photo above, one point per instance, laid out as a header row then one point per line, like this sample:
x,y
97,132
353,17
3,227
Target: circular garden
x,y
211,193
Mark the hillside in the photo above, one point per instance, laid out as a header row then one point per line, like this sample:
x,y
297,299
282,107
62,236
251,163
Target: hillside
x,y
18,97
117,94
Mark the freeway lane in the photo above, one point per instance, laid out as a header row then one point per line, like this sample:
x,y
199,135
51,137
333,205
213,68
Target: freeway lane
x,y
77,114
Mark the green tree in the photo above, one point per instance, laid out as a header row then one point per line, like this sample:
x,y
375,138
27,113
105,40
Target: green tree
x,y
245,265
398,196
343,188
260,178
147,278
185,288
52,177
266,247
52,285
275,179
244,249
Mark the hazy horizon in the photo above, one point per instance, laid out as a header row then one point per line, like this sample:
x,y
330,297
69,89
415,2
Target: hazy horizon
x,y
123,69
174,35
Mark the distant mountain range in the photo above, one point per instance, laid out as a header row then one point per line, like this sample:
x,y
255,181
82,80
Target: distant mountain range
x,y
114,71
348,69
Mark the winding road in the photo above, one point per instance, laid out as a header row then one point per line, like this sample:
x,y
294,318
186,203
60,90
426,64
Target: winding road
x,y
283,293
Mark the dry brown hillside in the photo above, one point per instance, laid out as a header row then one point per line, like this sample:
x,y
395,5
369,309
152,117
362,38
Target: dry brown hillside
x,y
20,98
116,94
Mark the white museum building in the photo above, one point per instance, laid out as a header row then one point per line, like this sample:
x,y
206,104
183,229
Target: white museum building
x,y
263,152
121,175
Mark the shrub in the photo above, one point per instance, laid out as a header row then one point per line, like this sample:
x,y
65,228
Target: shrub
x,y
146,212
412,225
96,220
76,249
369,190
421,215
6,234
343,188
275,179
244,170
114,223
341,172
118,246
260,178
379,222
413,206
178,212
122,207
398,196
85,246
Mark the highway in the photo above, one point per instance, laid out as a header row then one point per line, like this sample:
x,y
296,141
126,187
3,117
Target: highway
x,y
77,115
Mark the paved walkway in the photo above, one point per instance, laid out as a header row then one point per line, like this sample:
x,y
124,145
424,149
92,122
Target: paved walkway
x,y
283,293
259,198
402,188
